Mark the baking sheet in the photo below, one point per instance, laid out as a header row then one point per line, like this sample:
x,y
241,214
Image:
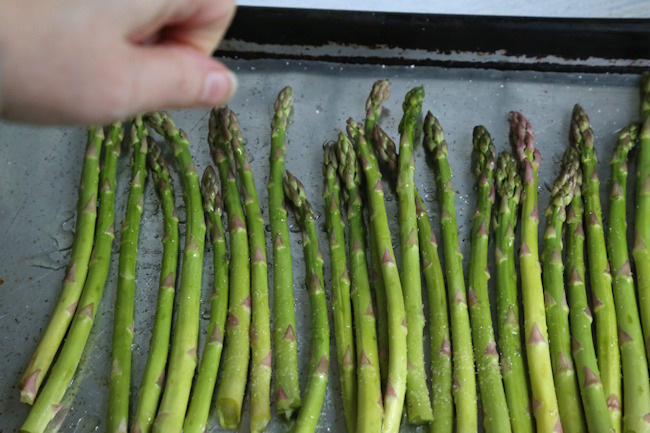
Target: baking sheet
x,y
40,169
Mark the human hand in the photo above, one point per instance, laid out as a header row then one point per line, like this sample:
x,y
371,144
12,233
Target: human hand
x,y
95,61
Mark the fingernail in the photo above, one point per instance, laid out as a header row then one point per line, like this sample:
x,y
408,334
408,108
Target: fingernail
x,y
218,87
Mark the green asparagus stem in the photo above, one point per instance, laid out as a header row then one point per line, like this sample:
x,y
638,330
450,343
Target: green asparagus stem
x,y
397,361
374,104
584,354
369,402
76,272
642,215
320,332
284,317
538,355
230,394
464,389
183,354
443,410
636,386
197,414
582,137
154,373
48,402
495,408
120,379
557,310
508,189
341,302
418,404
260,324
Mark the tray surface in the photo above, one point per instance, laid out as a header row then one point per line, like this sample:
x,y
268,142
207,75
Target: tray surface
x,y
40,169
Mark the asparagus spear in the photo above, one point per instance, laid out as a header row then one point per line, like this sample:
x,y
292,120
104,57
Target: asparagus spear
x,y
397,363
464,389
537,351
495,408
341,302
369,403
584,354
508,189
636,387
182,360
557,310
284,318
378,95
48,402
76,271
642,213
320,333
230,394
443,410
260,323
154,373
120,379
198,411
418,404
582,137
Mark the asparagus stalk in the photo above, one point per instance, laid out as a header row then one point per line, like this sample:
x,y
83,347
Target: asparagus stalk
x,y
418,404
464,389
397,361
198,411
341,302
369,402
636,386
183,355
284,318
260,323
230,394
508,189
642,213
76,272
48,402
374,104
584,354
582,137
120,379
557,310
154,373
320,333
495,408
538,355
443,410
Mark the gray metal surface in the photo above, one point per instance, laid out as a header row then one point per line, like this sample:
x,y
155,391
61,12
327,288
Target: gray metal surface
x,y
40,168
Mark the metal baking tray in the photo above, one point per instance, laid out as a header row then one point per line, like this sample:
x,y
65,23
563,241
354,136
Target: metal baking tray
x,y
474,70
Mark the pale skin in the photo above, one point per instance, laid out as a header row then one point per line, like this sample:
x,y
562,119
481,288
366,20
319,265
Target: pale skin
x,y
94,61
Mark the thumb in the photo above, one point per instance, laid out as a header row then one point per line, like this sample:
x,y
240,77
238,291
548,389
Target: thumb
x,y
178,77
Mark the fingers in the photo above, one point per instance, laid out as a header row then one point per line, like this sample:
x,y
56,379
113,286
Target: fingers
x,y
203,28
176,77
